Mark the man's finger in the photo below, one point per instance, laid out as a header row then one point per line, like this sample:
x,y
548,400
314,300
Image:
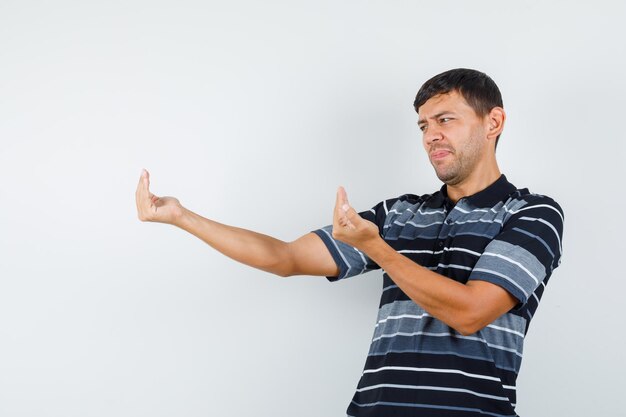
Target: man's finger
x,y
143,192
351,213
342,199
146,179
345,204
339,200
141,186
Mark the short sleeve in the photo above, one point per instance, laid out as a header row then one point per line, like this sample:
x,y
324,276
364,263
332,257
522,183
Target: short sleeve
x,y
349,259
527,249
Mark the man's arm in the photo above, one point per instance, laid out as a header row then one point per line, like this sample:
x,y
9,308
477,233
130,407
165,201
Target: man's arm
x,y
466,308
305,256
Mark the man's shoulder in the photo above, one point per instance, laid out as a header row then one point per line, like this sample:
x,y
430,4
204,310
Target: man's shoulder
x,y
527,199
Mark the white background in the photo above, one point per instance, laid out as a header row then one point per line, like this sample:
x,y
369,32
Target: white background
x,y
252,113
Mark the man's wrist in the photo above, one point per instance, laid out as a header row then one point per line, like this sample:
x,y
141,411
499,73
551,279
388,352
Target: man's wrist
x,y
183,218
375,248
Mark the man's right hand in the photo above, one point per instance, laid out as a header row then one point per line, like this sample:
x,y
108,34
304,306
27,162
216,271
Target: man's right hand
x,y
151,208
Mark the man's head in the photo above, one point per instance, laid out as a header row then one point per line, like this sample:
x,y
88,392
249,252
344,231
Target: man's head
x,y
477,88
461,117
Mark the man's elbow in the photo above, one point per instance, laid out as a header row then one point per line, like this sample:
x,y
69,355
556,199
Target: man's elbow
x,y
468,329
469,324
282,270
283,273
279,267
282,264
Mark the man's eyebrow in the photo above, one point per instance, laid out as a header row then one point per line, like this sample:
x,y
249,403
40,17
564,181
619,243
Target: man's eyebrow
x,y
436,116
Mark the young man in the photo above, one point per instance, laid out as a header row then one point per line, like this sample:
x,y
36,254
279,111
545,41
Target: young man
x,y
464,267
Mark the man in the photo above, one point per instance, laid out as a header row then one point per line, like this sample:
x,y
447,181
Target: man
x,y
464,267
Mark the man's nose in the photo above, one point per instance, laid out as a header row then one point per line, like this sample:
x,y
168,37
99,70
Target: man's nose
x,y
432,134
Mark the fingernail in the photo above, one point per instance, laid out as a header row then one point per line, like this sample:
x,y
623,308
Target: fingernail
x,y
345,207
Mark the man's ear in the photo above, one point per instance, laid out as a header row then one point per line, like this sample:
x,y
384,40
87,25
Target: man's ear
x,y
495,122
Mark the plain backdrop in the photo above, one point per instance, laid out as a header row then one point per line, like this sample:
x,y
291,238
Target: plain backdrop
x,y
252,114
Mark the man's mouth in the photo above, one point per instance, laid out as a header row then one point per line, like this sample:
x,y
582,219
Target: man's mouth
x,y
440,154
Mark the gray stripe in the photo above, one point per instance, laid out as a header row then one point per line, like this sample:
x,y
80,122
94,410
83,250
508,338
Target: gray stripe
x,y
433,388
432,406
446,335
328,231
513,263
514,287
460,345
507,367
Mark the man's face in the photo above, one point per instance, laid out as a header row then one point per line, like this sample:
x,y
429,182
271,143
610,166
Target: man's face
x,y
454,136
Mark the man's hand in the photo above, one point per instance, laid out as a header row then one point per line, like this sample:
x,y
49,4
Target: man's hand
x,y
349,227
155,209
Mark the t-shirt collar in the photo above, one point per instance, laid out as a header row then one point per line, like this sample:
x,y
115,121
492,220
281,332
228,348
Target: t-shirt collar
x,y
498,191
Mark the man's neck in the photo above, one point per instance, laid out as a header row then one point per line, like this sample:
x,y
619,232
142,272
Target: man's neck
x,y
477,181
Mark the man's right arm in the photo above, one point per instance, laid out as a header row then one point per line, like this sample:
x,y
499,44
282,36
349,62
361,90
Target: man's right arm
x,y
306,255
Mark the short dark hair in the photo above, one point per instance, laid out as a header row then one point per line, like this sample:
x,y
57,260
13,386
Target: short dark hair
x,y
477,88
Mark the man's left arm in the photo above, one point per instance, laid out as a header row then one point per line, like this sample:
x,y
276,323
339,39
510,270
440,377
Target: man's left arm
x,y
465,307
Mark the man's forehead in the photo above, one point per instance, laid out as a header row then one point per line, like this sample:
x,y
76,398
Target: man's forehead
x,y
450,101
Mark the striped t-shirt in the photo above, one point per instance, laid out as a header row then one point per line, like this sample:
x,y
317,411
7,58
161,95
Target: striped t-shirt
x,y
419,366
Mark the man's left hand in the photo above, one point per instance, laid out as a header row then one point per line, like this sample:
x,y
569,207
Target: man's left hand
x,y
349,227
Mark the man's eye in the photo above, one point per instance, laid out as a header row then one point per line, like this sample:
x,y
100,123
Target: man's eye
x,y
422,127
444,119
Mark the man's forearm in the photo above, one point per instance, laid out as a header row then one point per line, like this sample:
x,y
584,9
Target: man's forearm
x,y
245,246
466,308
446,299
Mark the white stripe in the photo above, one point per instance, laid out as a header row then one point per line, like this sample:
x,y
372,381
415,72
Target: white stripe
x,y
442,371
403,316
538,205
481,221
505,329
447,334
478,210
421,316
363,259
489,271
536,298
445,249
415,251
454,248
373,212
385,206
461,210
419,211
430,212
522,267
454,266
491,345
547,224
428,387
416,225
340,253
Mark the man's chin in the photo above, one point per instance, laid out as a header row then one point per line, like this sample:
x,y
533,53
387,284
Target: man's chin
x,y
449,178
